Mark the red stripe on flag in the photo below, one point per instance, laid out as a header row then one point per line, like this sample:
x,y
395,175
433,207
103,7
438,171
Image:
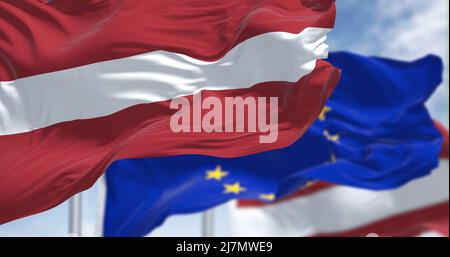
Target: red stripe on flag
x,y
38,38
439,226
44,167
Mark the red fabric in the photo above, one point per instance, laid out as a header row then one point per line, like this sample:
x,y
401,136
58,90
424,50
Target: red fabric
x,y
439,226
36,37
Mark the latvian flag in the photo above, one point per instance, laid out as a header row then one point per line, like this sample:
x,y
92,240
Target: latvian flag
x,y
420,208
85,83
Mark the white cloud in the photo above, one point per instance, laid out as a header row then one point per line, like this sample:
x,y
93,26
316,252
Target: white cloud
x,y
418,27
410,29
397,29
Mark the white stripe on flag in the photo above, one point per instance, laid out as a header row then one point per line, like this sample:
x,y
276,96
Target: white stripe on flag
x,y
104,88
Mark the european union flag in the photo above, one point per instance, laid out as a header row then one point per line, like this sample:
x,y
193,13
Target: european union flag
x,y
374,133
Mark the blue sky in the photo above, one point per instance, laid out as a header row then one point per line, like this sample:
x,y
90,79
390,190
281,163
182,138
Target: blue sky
x,y
401,29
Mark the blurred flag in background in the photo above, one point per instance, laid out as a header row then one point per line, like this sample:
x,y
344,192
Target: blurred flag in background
x,y
374,133
420,208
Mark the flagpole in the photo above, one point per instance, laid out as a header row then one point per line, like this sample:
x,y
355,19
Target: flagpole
x,y
101,198
75,218
208,223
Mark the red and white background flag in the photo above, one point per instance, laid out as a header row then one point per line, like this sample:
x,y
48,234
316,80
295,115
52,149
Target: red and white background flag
x,y
85,83
420,208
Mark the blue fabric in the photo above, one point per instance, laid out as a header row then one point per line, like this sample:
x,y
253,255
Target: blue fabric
x,y
375,133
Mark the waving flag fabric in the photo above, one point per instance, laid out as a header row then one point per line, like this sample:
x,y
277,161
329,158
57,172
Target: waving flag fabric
x,y
323,209
86,82
374,133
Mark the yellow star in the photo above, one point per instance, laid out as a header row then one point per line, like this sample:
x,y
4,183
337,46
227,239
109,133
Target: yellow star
x,y
234,188
216,174
332,138
323,114
267,197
